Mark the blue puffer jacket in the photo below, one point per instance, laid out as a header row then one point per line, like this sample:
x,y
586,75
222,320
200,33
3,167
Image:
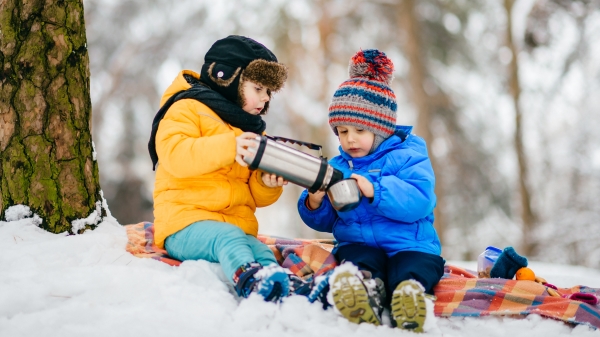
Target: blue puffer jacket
x,y
400,216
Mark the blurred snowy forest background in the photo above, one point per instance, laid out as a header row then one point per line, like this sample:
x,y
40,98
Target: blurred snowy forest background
x,y
505,92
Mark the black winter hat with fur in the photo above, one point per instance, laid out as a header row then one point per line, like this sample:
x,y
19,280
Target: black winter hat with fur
x,y
235,59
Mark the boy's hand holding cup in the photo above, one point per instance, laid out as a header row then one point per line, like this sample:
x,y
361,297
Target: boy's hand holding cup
x,y
315,199
365,186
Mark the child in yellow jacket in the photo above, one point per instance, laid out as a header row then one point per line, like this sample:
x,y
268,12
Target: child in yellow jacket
x,y
204,195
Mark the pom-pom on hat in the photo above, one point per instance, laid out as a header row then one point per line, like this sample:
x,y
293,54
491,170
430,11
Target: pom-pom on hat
x,y
366,100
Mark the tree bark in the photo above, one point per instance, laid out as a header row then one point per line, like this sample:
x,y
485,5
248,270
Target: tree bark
x,y
527,215
417,75
46,151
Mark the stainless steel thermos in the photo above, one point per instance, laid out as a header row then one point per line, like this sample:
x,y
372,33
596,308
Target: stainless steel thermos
x,y
300,168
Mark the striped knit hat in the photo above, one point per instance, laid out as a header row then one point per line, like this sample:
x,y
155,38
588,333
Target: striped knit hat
x,y
366,99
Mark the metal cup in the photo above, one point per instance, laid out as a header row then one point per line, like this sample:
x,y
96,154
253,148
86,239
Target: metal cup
x,y
344,195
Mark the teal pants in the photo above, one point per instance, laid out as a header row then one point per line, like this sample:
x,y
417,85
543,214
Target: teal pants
x,y
219,242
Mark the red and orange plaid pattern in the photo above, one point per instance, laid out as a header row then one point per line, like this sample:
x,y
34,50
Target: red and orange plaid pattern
x,y
140,243
461,294
303,257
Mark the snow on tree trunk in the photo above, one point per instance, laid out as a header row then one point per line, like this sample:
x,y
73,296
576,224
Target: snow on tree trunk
x,y
46,154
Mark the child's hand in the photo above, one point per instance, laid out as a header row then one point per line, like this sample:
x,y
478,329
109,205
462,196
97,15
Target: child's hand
x,y
315,199
272,180
365,186
242,143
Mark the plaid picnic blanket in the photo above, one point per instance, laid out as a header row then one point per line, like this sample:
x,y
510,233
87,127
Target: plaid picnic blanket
x,y
140,243
304,258
459,293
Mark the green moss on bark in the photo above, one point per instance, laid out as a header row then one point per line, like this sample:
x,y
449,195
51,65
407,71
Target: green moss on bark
x,y
17,171
43,191
8,24
47,161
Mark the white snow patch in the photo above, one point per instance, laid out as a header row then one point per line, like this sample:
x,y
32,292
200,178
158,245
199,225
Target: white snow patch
x,y
19,212
430,325
346,267
93,219
267,271
105,206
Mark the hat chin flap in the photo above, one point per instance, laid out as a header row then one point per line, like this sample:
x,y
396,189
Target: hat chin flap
x,y
223,75
270,74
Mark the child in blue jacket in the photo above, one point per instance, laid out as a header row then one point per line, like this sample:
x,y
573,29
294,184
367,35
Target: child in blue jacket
x,y
389,239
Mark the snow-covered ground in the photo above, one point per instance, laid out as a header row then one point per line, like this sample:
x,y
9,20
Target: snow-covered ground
x,y
88,285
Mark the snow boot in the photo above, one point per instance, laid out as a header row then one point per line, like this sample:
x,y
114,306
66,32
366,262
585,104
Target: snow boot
x,y
320,289
298,286
272,282
355,296
408,306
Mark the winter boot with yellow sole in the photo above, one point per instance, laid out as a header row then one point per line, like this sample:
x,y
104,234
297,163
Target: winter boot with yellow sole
x,y
351,297
408,306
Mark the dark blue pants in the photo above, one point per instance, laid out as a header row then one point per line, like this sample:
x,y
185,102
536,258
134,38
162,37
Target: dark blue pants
x,y
423,267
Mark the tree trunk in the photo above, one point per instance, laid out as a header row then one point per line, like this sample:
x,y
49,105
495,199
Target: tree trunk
x,y
413,50
46,152
527,215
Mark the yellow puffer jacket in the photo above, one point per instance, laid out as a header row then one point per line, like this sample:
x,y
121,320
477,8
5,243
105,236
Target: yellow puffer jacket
x,y
197,177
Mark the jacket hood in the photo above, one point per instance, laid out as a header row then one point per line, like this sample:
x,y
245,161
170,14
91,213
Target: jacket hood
x,y
402,137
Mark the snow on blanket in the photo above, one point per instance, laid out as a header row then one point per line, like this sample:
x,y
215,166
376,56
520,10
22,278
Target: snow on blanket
x,y
459,294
